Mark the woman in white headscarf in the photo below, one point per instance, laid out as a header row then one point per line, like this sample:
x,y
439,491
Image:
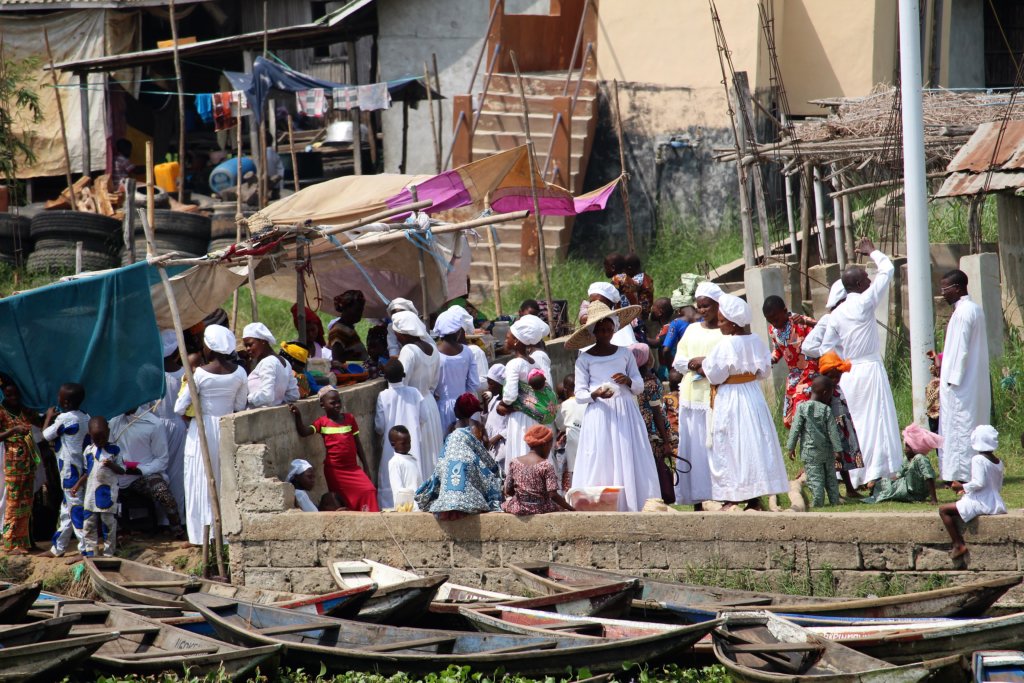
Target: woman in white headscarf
x,y
422,362
223,390
528,331
458,366
397,304
745,458
270,379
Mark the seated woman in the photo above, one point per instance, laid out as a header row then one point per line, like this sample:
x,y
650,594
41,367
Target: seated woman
x,y
916,480
532,485
302,477
465,480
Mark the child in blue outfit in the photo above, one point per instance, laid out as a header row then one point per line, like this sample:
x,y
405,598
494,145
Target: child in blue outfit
x,y
66,426
103,462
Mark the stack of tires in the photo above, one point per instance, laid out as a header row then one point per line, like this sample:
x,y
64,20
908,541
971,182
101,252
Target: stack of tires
x,y
222,226
54,234
177,231
15,239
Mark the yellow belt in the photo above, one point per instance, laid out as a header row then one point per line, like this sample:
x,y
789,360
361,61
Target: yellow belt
x,y
741,378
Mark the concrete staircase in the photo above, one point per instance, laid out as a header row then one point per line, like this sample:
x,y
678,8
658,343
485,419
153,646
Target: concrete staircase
x,y
501,127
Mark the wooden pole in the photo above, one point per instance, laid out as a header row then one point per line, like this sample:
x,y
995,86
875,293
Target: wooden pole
x,y
806,188
440,107
433,120
206,551
422,261
295,157
129,218
495,273
238,213
819,214
405,137
537,218
624,183
839,222
301,254
261,151
83,98
745,125
63,127
181,104
78,257
193,390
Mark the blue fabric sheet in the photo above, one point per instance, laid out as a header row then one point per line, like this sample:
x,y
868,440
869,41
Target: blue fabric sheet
x,y
100,331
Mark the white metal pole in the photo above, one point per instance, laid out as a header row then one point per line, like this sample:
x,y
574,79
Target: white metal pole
x,y
819,214
919,285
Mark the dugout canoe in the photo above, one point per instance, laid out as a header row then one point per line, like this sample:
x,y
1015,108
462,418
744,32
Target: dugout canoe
x,y
694,603
761,646
16,599
397,599
147,647
998,665
342,645
122,581
38,631
48,661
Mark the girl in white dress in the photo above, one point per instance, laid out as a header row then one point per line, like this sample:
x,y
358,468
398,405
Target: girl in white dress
x,y
527,331
613,448
222,390
981,493
746,458
422,364
271,382
458,366
694,485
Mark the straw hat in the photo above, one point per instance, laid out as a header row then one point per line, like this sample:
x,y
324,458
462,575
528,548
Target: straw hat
x,y
596,312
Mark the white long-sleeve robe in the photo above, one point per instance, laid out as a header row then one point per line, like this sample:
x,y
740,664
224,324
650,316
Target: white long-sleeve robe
x,y
965,400
821,339
866,385
397,405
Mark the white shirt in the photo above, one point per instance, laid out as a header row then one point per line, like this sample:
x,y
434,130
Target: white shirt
x,y
821,339
303,501
269,383
404,473
854,321
142,438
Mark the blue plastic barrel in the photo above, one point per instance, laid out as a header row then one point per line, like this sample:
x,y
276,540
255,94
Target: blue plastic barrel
x,y
224,175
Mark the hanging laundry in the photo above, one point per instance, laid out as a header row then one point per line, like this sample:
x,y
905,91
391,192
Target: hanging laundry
x,y
345,98
239,100
223,118
204,106
312,102
374,96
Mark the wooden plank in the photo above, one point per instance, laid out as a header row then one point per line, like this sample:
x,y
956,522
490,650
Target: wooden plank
x,y
159,584
542,645
129,631
775,647
410,644
295,628
176,654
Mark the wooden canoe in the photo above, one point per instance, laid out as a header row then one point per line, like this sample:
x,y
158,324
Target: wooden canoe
x,y
147,647
760,646
48,661
16,600
998,665
397,600
123,581
342,645
38,631
693,603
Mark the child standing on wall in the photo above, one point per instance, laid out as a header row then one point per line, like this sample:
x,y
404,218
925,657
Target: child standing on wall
x,y
341,441
981,494
104,462
814,428
66,426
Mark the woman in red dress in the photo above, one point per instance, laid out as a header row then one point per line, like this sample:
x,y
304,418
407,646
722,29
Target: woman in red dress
x,y
341,441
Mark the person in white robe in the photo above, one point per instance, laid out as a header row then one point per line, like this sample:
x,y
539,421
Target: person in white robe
x,y
866,385
397,304
422,363
528,331
496,424
823,338
174,425
271,382
607,293
965,399
745,458
142,438
398,405
403,470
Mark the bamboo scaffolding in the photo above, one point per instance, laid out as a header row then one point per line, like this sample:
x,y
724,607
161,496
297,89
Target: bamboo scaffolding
x,y
63,127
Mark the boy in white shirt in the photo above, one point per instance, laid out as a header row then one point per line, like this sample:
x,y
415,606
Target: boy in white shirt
x,y
66,426
403,470
397,405
104,463
980,494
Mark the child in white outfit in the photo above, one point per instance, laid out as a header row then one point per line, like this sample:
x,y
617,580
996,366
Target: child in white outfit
x,y
104,462
66,426
981,494
404,471
397,405
496,424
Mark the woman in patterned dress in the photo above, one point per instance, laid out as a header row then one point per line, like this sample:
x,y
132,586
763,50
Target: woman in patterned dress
x,y
465,480
786,333
532,484
833,367
20,459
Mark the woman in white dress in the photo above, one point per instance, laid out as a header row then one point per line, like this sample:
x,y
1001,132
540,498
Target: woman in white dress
x,y
745,458
222,390
525,332
613,448
694,485
422,364
458,366
271,382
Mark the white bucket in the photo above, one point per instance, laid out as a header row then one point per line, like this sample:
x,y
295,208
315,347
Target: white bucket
x,y
339,131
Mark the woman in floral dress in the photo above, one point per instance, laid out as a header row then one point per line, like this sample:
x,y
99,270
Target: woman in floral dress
x,y
20,459
786,334
532,484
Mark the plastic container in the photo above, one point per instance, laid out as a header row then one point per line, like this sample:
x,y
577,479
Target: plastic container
x,y
594,498
339,131
224,174
167,175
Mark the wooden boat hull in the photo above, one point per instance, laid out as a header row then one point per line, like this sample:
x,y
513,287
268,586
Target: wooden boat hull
x,y
38,631
16,600
691,602
998,665
49,660
610,601
401,603
342,645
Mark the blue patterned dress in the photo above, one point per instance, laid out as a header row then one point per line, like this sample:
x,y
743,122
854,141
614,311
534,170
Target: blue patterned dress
x,y
466,478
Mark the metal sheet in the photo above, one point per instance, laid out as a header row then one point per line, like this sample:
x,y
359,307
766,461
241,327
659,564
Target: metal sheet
x,y
976,154
963,184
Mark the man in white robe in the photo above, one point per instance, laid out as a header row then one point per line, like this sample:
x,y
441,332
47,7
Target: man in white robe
x,y
142,438
866,386
965,400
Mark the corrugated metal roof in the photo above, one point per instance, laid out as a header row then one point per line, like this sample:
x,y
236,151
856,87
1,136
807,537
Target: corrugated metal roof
x,y
969,169
22,5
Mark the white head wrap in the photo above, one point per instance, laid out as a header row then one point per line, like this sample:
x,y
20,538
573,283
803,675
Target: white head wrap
x,y
298,467
709,290
401,304
408,323
497,373
735,309
259,331
219,339
529,329
985,439
605,289
449,322
465,318
836,294
168,342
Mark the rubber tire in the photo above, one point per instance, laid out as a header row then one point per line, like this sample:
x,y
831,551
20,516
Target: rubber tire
x,y
167,243
168,223
12,226
99,233
88,244
63,260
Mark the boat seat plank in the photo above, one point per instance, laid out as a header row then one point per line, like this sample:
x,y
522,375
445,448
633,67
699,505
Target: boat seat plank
x,y
775,647
410,644
295,628
780,661
127,631
166,653
159,584
542,645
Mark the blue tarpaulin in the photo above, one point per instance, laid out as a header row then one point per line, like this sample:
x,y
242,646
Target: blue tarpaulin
x,y
99,331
